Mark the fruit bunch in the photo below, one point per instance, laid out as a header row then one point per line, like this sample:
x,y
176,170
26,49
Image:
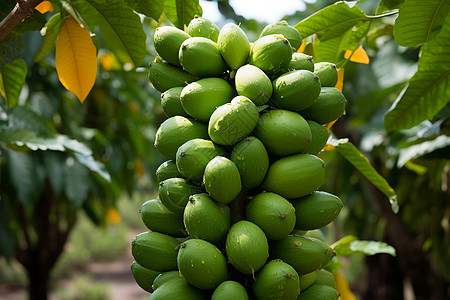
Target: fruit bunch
x,y
239,190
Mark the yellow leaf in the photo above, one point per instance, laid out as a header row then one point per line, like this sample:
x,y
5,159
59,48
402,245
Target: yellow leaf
x,y
112,216
76,58
340,81
343,288
358,56
44,6
302,47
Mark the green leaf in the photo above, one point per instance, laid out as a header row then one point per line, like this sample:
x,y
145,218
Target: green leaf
x,y
76,182
24,116
331,21
181,12
50,32
428,90
93,165
349,245
419,150
52,163
362,164
150,8
388,4
11,48
12,79
419,21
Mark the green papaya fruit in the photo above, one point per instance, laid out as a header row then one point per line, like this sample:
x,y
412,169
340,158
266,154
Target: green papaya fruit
x,y
319,137
283,132
283,28
222,180
294,176
143,276
206,219
251,159
200,98
272,213
327,73
164,76
233,45
253,83
231,122
171,102
307,280
175,131
166,170
304,254
179,288
325,277
230,290
193,156
202,264
157,217
271,53
246,247
329,106
316,210
167,41
155,251
319,292
276,280
164,277
203,27
301,61
174,193
200,56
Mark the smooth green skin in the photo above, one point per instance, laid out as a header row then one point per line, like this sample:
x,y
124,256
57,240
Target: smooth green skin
x,y
307,280
295,176
301,61
178,288
304,254
277,280
325,277
167,41
316,210
253,83
230,290
175,131
271,53
319,137
283,28
272,213
246,247
202,264
143,276
193,156
157,217
174,193
164,76
155,251
202,27
319,292
231,122
200,56
171,103
166,170
206,219
295,90
164,277
330,105
283,132
200,98
222,180
233,45
327,73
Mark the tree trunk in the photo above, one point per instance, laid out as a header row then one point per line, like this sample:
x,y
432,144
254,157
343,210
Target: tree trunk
x,y
38,286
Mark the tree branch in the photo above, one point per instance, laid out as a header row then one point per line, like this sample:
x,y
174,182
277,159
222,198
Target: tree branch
x,y
22,10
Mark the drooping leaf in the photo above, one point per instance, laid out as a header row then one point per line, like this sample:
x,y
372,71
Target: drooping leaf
x,y
419,150
53,162
93,165
331,21
428,90
12,79
349,245
419,21
181,12
76,58
50,32
150,8
76,181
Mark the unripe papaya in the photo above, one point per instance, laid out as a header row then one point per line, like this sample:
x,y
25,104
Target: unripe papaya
x,y
203,27
167,41
319,292
330,105
174,193
294,176
319,137
277,280
233,121
200,56
230,290
143,276
295,90
233,45
200,98
202,264
171,103
164,76
283,28
271,53
164,277
325,277
178,288
166,170
283,132
307,280
327,73
206,219
175,131
222,180
253,83
246,247
193,156
301,61
157,217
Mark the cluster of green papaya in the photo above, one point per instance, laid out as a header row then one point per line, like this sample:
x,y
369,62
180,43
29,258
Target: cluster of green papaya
x,y
239,191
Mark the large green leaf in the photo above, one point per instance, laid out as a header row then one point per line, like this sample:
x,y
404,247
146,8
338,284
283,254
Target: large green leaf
x,y
181,12
419,21
428,90
93,165
11,48
362,164
150,8
50,32
12,79
331,21
76,182
349,245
